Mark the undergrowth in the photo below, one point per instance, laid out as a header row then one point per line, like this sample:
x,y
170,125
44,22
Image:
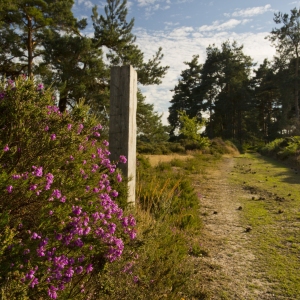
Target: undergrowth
x,y
168,234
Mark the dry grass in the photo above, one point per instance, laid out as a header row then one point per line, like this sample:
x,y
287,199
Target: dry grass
x,y
156,159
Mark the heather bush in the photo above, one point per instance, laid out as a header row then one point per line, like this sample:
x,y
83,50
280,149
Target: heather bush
x,y
62,220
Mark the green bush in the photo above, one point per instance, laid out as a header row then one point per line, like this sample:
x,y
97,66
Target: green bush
x,y
61,226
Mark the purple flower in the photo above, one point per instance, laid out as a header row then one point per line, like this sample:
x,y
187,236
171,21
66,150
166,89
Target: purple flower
x,y
119,177
38,171
97,134
69,127
9,188
35,236
33,187
40,87
76,210
63,199
114,194
80,127
46,128
30,275
105,143
51,212
79,270
53,136
123,159
2,95
89,268
52,292
57,194
6,148
69,272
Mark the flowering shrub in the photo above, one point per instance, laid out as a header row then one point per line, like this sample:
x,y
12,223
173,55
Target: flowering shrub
x,y
60,221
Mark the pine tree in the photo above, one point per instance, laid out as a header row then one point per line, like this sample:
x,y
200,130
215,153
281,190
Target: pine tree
x,y
22,26
185,94
115,33
287,42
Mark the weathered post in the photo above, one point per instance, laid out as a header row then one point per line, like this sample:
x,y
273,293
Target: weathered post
x,y
122,122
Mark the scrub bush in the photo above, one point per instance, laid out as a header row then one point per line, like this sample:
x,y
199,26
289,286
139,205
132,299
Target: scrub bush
x,y
61,220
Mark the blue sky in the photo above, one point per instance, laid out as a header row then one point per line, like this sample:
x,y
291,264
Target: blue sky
x,y
184,28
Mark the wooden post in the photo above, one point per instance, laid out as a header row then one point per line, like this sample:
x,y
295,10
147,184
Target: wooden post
x,y
122,122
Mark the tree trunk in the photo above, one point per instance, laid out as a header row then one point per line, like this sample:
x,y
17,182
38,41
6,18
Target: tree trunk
x,y
297,88
62,104
30,47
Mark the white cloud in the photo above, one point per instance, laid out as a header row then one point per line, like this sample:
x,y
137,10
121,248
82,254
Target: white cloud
x,y
86,3
217,26
146,2
250,11
180,44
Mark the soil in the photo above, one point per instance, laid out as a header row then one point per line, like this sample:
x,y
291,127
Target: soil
x,y
230,270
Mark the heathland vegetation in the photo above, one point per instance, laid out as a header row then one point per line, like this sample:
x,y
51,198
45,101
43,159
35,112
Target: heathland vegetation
x,y
66,230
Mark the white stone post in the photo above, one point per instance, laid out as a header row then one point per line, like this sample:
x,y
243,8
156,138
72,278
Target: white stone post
x,y
122,122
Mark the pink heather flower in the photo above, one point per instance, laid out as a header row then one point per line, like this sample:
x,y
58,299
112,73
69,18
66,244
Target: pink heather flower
x,y
63,199
69,127
105,143
119,177
52,292
80,127
2,95
40,86
46,128
114,193
33,187
30,275
123,159
38,171
53,136
79,270
9,189
34,282
51,212
6,148
76,210
97,134
84,162
135,279
71,157
35,236
57,194
89,268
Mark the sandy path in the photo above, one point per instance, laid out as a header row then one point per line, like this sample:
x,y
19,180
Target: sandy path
x,y
230,268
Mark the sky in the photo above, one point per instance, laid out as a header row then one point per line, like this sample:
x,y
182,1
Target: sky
x,y
184,28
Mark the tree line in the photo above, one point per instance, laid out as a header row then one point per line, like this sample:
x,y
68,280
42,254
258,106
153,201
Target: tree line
x,y
42,39
239,100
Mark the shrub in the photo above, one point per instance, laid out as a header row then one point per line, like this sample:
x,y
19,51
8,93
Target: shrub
x,y
60,222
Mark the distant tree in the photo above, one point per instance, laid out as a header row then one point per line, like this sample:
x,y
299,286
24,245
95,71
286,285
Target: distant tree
x,y
184,98
287,42
266,101
190,130
149,123
228,82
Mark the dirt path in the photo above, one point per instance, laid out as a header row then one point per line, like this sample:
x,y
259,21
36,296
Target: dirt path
x,y
230,269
